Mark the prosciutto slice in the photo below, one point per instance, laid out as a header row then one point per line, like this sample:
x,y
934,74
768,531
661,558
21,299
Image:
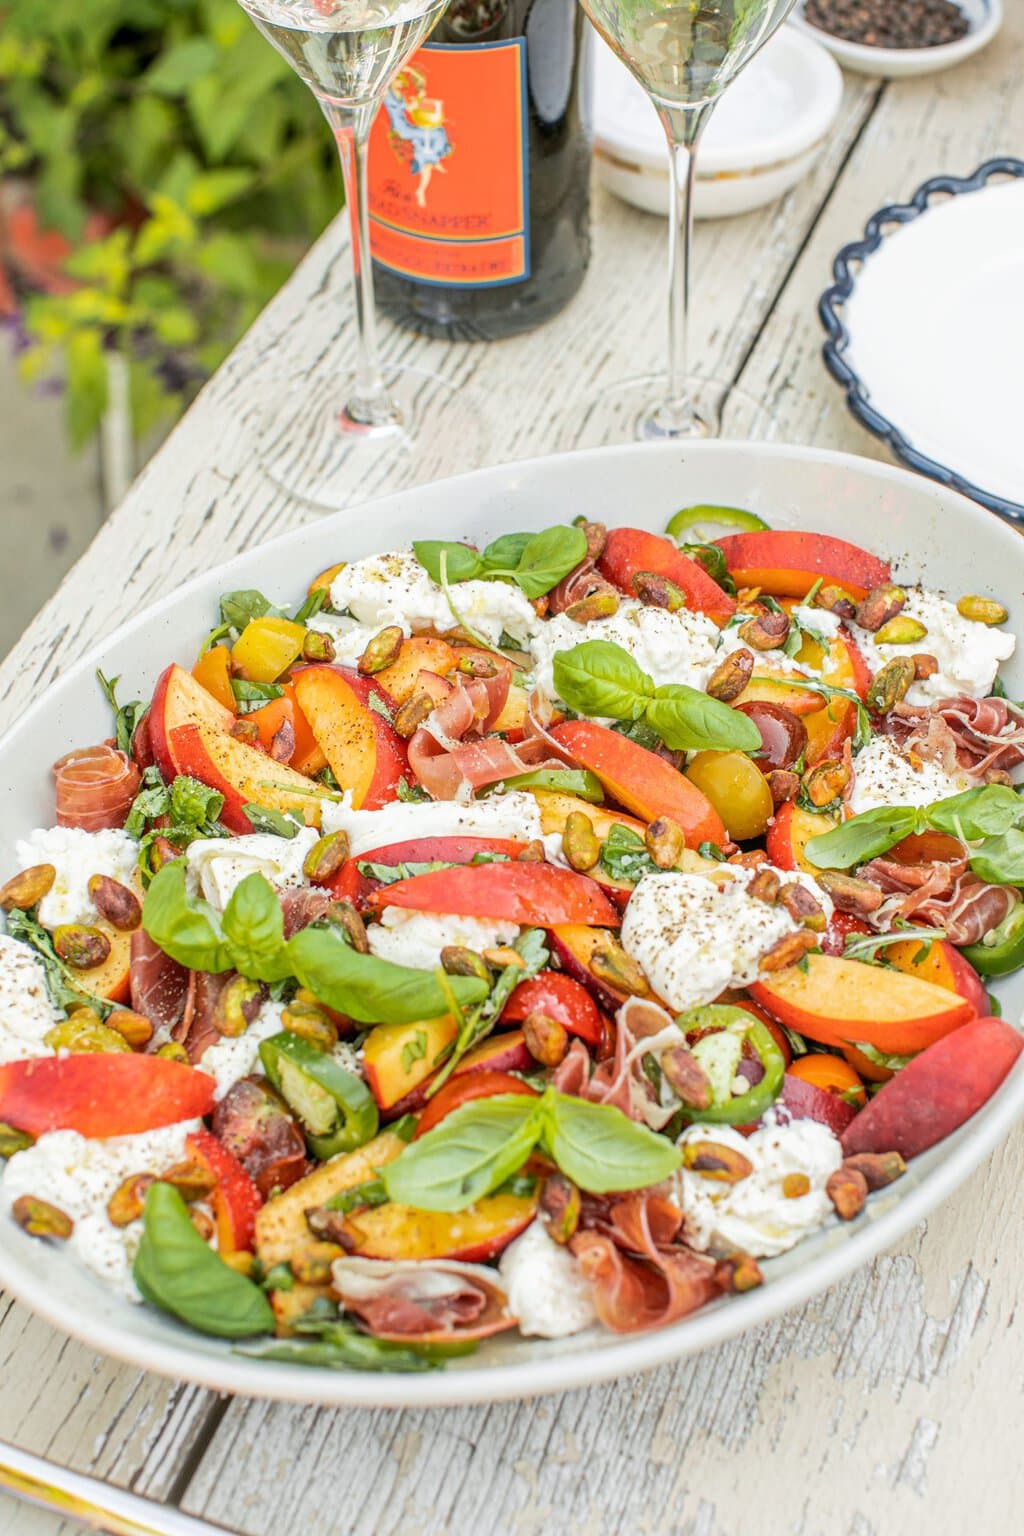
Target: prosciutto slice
x,y
159,985
426,1300
619,1081
585,580
943,894
976,736
452,752
302,906
95,788
640,1276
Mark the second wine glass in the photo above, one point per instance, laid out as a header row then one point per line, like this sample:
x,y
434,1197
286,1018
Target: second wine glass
x,y
684,55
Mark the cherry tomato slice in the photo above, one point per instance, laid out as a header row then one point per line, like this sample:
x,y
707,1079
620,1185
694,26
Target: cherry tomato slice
x,y
566,1001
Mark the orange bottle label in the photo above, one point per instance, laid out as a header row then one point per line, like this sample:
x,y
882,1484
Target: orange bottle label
x,y
449,167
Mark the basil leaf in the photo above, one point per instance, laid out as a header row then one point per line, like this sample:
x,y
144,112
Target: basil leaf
x,y
473,1150
505,553
600,1148
261,819
984,812
1000,860
548,557
193,803
178,1272
152,800
238,608
862,837
598,677
185,928
624,854
564,781
461,562
689,721
252,696
253,927
387,874
369,990
316,600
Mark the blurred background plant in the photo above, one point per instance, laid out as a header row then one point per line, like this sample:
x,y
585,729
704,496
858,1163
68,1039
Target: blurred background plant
x,y
161,171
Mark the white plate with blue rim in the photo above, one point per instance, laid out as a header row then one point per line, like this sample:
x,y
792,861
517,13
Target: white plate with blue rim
x,y
925,322
984,18
929,533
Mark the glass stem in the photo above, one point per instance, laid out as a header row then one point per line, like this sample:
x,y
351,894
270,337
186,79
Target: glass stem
x,y
370,405
683,130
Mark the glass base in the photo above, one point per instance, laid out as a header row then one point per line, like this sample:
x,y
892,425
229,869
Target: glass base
x,y
633,411
314,447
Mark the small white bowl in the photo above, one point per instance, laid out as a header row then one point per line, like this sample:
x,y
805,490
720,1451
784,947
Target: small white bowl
x,y
985,18
764,135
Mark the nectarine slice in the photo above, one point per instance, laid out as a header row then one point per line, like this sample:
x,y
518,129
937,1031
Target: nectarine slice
x,y
401,1232
365,754
787,563
244,776
628,551
178,699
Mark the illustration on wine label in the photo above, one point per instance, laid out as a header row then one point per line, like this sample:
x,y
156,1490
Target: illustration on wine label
x,y
473,227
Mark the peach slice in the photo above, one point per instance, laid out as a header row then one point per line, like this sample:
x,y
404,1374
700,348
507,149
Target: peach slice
x,y
178,700
640,780
629,551
365,754
398,1058
839,1002
937,1091
790,832
418,654
943,965
400,1232
574,944
787,563
244,776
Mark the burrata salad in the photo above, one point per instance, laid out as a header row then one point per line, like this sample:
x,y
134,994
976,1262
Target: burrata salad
x,y
542,936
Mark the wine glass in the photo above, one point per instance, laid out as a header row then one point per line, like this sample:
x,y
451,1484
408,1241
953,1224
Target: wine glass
x,y
326,446
684,53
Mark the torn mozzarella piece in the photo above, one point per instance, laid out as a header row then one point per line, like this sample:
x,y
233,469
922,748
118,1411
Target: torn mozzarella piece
x,y
546,1291
416,939
511,815
26,1012
676,647
216,866
76,856
882,775
968,653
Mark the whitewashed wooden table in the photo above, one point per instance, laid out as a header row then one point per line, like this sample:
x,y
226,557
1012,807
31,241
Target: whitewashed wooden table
x,y
888,1403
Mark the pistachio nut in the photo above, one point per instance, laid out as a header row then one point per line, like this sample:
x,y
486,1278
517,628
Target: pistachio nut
x,y
310,1023
12,1141
890,685
596,605
326,857
826,782
83,1032
28,888
789,950
236,1007
128,1201
731,676
658,591
78,945
131,1026
611,964
982,610
560,1204
902,630
879,606
546,1040
318,646
382,650
344,914
665,842
877,1169
311,1264
41,1219
714,1160
766,631
580,843
802,906
116,902
686,1077
847,1189
411,715
458,960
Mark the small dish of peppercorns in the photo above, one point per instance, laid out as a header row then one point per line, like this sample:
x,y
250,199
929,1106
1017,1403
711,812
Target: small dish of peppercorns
x,y
898,38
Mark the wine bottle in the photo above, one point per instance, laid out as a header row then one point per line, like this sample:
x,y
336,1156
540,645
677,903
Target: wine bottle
x,y
480,171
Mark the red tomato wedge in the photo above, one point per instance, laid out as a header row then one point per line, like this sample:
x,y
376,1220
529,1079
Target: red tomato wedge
x,y
535,894
349,884
566,1001
236,1200
462,1090
641,780
101,1095
631,550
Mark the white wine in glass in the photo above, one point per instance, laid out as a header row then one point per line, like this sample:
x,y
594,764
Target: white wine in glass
x,y
331,446
684,55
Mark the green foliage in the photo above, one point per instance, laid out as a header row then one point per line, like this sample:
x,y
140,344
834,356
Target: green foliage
x,y
188,166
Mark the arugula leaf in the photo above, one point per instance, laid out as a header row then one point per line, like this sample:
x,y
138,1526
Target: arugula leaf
x,y
866,946
690,721
337,1345
475,1026
60,984
986,811
880,1059
316,600
126,716
252,696
862,734
1000,860
388,874
185,927
598,677
262,819
410,794
238,608
370,990
467,1156
624,854
564,781
253,927
600,1149
548,557
863,837
462,563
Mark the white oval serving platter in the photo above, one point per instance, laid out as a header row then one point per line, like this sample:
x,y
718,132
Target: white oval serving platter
x,y
930,534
